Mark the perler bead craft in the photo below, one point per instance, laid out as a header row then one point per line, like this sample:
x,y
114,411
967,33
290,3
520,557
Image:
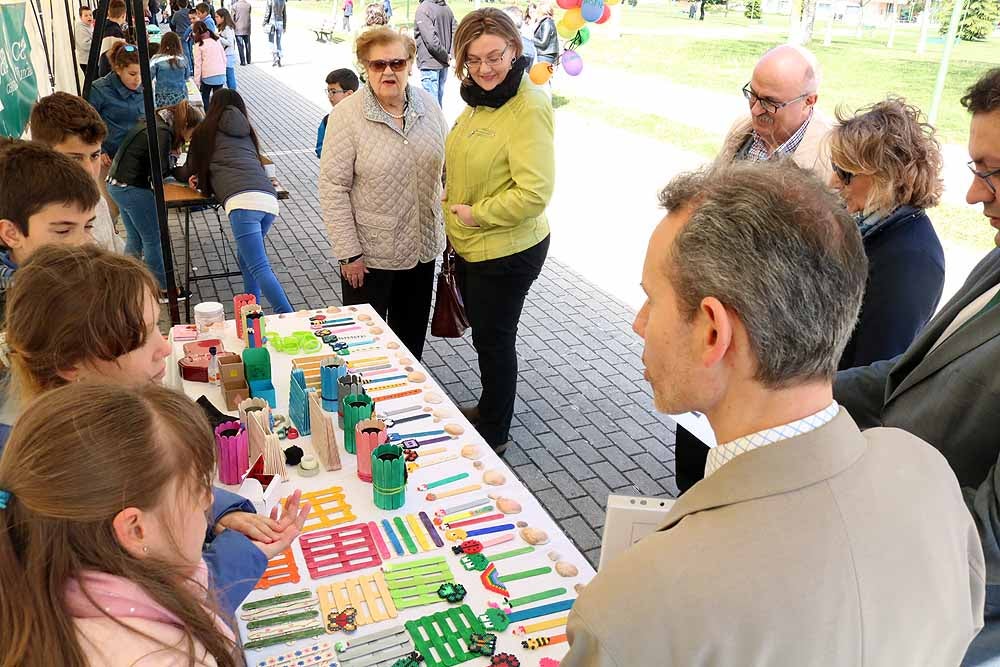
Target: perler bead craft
x,y
443,638
342,620
504,660
483,644
451,592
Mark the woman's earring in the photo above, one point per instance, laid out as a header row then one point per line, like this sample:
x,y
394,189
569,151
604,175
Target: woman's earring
x,y
145,549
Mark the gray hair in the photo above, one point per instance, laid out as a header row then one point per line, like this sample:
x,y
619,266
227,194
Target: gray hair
x,y
770,242
515,14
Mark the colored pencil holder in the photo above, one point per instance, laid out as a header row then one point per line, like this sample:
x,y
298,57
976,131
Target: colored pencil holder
x,y
234,452
368,434
331,370
388,477
357,407
346,385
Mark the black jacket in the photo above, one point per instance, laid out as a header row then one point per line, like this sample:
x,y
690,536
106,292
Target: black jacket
x,y
434,30
131,164
276,8
234,166
546,40
905,281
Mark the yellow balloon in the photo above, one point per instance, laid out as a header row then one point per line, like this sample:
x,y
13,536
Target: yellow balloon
x,y
540,73
565,31
573,19
611,2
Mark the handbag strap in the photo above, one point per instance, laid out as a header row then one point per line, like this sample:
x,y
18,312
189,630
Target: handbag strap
x,y
448,259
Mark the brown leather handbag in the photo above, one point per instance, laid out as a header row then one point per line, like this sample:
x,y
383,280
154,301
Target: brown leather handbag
x,y
449,320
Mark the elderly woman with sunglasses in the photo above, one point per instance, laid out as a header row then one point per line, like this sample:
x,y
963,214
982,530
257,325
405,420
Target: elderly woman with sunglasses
x,y
887,166
380,187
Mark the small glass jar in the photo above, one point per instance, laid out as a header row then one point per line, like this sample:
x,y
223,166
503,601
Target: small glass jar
x,y
210,318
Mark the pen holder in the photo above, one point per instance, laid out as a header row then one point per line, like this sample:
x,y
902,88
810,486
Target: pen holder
x,y
368,435
346,385
357,407
330,370
234,453
388,477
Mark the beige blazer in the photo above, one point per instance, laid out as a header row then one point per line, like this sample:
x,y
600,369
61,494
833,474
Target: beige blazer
x,y
832,548
813,152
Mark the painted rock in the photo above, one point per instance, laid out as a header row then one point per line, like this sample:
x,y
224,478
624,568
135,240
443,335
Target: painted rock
x,y
472,452
454,429
376,331
432,398
494,478
416,376
392,345
511,506
534,536
566,569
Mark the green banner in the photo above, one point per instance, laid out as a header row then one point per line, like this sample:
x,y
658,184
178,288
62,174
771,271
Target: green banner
x,y
18,84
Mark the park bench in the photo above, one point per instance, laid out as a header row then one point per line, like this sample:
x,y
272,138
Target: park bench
x,y
324,33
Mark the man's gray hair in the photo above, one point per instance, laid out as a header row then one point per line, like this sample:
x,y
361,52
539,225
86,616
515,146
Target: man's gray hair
x,y
770,242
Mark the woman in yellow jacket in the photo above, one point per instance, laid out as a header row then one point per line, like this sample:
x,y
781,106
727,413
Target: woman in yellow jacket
x,y
500,166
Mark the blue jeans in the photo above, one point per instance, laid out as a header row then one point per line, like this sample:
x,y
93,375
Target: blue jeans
x,y
279,30
189,55
249,230
432,80
138,210
231,78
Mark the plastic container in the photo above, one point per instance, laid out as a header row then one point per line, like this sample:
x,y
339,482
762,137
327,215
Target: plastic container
x,y
210,319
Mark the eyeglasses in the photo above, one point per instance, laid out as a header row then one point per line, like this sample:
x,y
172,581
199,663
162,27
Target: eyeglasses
x,y
768,105
844,176
492,61
985,175
396,64
330,92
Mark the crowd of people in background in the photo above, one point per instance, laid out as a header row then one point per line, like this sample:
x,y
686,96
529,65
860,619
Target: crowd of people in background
x,y
792,288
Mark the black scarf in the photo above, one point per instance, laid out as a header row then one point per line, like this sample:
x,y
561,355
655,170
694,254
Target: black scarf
x,y
475,96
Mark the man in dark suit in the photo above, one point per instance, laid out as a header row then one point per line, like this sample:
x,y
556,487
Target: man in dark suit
x,y
945,388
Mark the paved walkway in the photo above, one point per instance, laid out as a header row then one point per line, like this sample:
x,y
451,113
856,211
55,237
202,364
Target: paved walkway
x,y
584,424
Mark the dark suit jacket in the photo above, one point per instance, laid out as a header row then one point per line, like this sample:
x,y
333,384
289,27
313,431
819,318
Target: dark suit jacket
x,y
949,397
905,280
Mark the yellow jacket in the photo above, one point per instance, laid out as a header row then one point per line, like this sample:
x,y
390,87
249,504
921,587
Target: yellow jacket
x,y
502,163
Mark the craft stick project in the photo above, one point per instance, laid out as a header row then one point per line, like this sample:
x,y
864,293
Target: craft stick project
x,y
454,492
331,369
544,610
324,436
464,506
533,643
413,466
320,654
285,638
368,379
357,407
232,441
298,401
280,619
536,597
368,434
412,418
279,604
419,434
401,411
431,530
391,534
380,649
280,570
367,369
415,583
541,625
263,444
458,534
388,477
383,550
367,594
443,638
468,522
329,508
465,514
418,533
379,373
443,481
405,534
402,394
339,550
374,388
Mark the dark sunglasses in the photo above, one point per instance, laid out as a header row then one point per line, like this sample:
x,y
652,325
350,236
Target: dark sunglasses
x,y
397,64
844,176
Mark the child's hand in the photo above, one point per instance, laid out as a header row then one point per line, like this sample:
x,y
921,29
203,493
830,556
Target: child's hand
x,y
289,525
193,182
105,160
258,528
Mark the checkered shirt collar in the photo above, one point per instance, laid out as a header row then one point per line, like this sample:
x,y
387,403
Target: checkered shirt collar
x,y
719,455
760,152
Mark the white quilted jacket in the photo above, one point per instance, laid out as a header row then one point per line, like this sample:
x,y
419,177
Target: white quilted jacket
x,y
380,187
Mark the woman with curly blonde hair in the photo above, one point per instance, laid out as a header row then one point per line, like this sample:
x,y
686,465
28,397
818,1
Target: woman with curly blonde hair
x,y
887,168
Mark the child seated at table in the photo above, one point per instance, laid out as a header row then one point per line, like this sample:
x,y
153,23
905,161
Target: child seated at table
x,y
226,162
84,314
130,182
340,84
69,125
59,208
105,567
169,72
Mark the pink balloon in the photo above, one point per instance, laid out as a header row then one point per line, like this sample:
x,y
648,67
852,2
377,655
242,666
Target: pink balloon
x,y
568,4
572,63
605,16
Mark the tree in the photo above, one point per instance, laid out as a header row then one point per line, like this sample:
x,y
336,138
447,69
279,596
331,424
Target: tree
x,y
979,18
751,9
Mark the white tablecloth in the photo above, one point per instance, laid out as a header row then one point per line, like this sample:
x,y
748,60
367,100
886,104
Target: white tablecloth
x,y
359,495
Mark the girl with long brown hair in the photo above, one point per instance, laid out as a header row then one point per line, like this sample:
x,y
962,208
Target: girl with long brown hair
x,y
85,314
104,567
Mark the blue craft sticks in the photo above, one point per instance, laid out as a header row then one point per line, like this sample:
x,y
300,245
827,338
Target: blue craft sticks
x,y
543,610
391,534
329,375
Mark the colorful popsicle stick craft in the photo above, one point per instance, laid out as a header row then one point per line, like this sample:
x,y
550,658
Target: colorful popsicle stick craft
x,y
443,639
329,508
379,649
367,594
339,550
280,570
415,583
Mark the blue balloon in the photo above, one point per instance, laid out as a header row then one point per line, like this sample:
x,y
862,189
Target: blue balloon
x,y
592,9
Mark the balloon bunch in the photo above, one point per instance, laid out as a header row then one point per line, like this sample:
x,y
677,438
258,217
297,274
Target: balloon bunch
x,y
573,26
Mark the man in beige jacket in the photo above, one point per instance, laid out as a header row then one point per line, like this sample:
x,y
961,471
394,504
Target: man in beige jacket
x,y
782,94
808,542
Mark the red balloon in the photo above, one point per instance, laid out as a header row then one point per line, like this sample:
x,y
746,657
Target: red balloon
x,y
568,4
605,15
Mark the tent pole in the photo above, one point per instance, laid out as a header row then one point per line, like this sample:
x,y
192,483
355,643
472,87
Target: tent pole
x,y
72,44
154,159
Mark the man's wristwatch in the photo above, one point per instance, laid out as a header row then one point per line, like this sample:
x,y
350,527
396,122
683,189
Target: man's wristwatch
x,y
342,262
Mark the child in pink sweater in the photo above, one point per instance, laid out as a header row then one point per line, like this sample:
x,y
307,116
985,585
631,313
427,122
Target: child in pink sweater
x,y
209,61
